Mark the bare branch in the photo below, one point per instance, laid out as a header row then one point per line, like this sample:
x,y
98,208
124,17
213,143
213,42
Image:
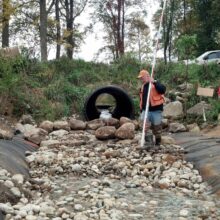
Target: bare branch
x,y
50,7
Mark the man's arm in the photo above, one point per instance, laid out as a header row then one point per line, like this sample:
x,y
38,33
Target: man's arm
x,y
161,89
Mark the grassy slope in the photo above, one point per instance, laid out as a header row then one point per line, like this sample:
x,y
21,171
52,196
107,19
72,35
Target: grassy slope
x,y
58,88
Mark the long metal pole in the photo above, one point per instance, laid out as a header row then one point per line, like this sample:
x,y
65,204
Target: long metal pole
x,y
152,73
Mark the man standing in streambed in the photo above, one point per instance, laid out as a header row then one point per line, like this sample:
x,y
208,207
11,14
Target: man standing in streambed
x,y
154,118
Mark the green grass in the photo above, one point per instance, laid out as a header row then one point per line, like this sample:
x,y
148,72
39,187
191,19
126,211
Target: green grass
x,y
59,87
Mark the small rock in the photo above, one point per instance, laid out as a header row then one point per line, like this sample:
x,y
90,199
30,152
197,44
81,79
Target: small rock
x,y
76,167
15,191
9,184
78,207
184,213
18,178
6,208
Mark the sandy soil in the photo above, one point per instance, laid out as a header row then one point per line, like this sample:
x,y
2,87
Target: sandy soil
x,y
212,132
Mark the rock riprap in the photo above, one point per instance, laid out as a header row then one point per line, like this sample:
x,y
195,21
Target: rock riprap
x,y
75,176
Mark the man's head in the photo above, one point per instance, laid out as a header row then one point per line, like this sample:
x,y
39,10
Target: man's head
x,y
144,76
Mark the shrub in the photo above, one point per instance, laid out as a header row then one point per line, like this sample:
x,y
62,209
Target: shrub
x,y
59,87
213,114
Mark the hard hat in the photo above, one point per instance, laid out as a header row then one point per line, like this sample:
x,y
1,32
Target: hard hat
x,y
143,73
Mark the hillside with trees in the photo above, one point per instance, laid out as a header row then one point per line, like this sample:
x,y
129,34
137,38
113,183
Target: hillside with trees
x,y
55,88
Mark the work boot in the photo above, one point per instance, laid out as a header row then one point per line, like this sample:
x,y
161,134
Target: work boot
x,y
157,130
158,141
149,140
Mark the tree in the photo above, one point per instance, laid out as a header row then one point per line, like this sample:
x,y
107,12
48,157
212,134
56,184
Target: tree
x,y
112,14
7,11
43,27
24,27
43,30
115,16
208,28
186,47
58,28
171,28
191,17
30,23
138,35
5,23
168,29
72,9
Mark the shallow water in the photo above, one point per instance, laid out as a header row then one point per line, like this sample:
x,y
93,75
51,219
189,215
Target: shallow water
x,y
133,203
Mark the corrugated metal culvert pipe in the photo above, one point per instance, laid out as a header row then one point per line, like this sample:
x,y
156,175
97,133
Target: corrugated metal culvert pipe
x,y
119,103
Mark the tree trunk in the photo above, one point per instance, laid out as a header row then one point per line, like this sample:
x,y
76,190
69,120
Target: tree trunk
x,y
165,39
120,28
139,45
123,28
184,14
58,35
115,36
69,26
43,30
170,45
168,24
5,22
170,28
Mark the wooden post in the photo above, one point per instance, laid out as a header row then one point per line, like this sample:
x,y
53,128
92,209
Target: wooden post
x,y
207,92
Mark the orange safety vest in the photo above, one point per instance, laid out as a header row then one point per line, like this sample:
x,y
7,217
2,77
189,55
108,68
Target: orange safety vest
x,y
218,91
155,97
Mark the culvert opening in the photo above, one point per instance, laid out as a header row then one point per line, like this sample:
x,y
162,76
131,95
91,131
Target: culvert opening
x,y
105,101
116,100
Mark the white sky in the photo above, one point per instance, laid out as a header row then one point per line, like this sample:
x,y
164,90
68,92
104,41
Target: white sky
x,y
94,41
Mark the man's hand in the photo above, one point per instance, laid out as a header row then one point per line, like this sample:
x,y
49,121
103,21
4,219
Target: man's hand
x,y
151,80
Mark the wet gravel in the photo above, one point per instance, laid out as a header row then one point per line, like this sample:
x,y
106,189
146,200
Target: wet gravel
x,y
76,177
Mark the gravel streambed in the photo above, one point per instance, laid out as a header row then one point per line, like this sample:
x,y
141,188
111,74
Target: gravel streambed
x,y
75,176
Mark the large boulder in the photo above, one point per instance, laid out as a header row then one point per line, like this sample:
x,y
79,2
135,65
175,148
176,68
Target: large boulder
x,y
193,128
124,120
6,131
185,87
165,122
58,133
35,135
19,128
27,119
6,134
58,125
173,110
126,131
176,127
47,126
167,140
112,122
95,124
77,124
106,132
198,108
